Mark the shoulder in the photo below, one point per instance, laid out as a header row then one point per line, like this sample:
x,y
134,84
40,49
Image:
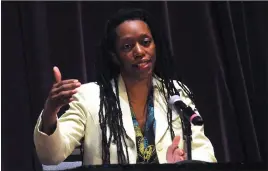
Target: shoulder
x,y
184,93
88,87
88,92
180,86
182,89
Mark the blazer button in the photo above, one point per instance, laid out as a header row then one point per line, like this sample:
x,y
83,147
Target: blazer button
x,y
132,145
159,147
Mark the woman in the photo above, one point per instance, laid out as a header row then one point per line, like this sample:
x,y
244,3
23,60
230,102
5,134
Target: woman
x,y
124,116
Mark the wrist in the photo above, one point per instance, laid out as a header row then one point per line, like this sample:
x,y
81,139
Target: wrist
x,y
49,121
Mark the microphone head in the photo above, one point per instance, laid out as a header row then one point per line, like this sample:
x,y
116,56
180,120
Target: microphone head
x,y
197,121
191,115
173,99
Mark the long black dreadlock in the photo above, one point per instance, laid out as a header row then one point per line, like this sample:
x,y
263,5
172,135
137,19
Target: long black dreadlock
x,y
110,113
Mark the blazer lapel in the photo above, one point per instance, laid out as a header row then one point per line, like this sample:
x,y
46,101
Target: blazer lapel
x,y
126,113
160,112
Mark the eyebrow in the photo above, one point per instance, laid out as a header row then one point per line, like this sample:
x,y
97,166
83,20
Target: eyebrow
x,y
142,35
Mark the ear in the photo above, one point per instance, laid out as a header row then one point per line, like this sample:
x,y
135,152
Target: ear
x,y
115,58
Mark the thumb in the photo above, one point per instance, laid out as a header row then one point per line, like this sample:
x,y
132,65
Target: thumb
x,y
57,74
172,148
176,142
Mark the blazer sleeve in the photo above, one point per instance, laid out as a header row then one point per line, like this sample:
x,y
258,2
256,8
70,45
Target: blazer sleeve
x,y
202,148
55,148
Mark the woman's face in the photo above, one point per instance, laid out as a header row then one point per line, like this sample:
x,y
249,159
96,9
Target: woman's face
x,y
135,49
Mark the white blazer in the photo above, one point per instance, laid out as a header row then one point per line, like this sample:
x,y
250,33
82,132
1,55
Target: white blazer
x,y
81,120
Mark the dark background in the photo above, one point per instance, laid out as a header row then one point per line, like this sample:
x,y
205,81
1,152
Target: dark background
x,y
220,49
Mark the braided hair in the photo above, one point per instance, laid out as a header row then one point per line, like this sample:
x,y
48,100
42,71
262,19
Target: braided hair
x,y
110,113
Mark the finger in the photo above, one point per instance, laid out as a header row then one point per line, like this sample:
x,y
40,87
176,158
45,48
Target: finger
x,y
65,87
58,102
69,100
56,85
173,146
169,154
175,142
64,95
65,101
57,74
176,159
185,156
178,152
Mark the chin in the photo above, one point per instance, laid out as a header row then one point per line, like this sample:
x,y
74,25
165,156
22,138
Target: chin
x,y
139,75
145,75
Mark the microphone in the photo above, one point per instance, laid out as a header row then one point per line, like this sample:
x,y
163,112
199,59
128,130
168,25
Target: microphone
x,y
176,103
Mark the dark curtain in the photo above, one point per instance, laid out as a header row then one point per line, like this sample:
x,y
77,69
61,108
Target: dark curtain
x,y
220,49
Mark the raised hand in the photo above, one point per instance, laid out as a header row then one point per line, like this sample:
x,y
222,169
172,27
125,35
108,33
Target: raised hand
x,y
174,154
60,95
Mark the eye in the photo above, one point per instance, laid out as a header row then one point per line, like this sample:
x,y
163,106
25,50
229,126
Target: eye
x,y
126,47
146,42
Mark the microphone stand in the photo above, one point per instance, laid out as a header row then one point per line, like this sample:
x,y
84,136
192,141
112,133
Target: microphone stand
x,y
187,136
187,115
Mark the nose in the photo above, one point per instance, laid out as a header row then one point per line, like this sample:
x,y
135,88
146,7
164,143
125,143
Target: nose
x,y
138,51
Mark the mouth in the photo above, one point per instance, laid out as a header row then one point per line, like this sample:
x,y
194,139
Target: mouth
x,y
143,64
